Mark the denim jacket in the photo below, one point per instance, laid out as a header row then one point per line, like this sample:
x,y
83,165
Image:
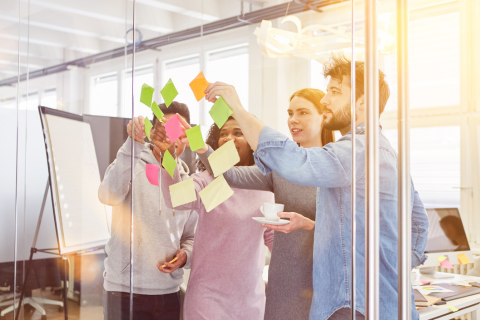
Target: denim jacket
x,y
329,169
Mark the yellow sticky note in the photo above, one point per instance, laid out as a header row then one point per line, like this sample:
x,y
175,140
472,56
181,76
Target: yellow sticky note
x,y
463,259
182,192
452,308
224,158
441,258
215,193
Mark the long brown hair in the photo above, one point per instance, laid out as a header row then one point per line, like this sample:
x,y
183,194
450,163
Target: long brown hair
x,y
212,141
314,96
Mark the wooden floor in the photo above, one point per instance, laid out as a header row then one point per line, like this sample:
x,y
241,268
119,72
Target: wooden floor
x,y
74,310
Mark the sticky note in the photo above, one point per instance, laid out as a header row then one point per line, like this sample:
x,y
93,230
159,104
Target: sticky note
x,y
169,163
220,112
148,128
146,95
224,158
157,112
151,170
199,85
173,128
446,264
182,192
463,259
169,92
195,139
441,258
215,193
452,308
425,281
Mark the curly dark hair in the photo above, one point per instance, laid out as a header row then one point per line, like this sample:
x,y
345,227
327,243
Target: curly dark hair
x,y
212,141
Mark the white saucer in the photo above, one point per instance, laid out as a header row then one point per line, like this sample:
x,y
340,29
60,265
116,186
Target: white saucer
x,y
276,223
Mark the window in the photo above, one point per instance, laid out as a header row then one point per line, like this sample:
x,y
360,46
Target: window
x,y
182,72
434,163
230,66
49,98
103,97
317,80
143,75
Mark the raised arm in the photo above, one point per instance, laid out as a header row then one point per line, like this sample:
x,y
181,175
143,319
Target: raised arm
x,y
242,177
419,229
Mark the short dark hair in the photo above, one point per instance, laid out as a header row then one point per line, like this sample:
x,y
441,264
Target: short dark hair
x,y
175,107
339,66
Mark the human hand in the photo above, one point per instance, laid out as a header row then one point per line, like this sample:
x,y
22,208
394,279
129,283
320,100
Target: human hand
x,y
227,92
183,137
159,138
168,267
139,129
297,221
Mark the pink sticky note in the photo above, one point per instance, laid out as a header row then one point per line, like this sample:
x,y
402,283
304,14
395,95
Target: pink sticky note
x,y
151,170
173,128
425,281
446,264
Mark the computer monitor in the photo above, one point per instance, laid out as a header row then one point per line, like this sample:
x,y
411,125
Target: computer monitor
x,y
446,237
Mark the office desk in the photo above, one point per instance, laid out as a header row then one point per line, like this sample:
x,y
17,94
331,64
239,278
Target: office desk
x,y
464,305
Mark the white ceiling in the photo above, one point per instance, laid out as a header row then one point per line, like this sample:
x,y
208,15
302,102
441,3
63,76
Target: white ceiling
x,y
63,30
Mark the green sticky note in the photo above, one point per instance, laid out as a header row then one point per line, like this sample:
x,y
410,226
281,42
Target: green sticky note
x,y
195,139
220,112
146,95
169,163
452,308
157,112
169,92
148,128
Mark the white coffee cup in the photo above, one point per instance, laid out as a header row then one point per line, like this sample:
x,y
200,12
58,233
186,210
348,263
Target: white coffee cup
x,y
270,210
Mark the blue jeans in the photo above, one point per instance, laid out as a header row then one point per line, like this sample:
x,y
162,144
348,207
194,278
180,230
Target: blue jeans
x,y
116,306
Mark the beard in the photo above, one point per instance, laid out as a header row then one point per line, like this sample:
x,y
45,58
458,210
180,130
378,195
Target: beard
x,y
340,119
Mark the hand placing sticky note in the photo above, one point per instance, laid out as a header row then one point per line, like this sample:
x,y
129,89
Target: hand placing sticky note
x,y
169,92
220,112
146,95
169,163
157,112
441,258
182,192
199,85
463,259
173,128
452,308
217,192
446,264
151,171
224,158
148,128
195,139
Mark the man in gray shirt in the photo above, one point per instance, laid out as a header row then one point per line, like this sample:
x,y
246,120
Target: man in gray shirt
x,y
160,234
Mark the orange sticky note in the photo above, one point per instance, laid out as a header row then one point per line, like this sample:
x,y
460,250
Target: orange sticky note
x,y
463,259
199,85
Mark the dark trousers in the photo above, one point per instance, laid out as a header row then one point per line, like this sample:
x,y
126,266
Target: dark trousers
x,y
344,314
116,306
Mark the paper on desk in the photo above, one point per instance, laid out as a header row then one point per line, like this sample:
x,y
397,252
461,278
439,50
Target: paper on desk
x,y
224,158
452,308
463,259
215,193
151,170
195,139
146,95
173,128
446,264
169,163
169,92
441,258
157,112
199,85
148,128
426,290
182,192
220,112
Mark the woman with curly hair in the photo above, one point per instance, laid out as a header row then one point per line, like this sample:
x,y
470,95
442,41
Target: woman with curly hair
x,y
228,255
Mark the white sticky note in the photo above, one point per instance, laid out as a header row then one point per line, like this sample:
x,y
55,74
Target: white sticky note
x,y
215,193
182,192
224,158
